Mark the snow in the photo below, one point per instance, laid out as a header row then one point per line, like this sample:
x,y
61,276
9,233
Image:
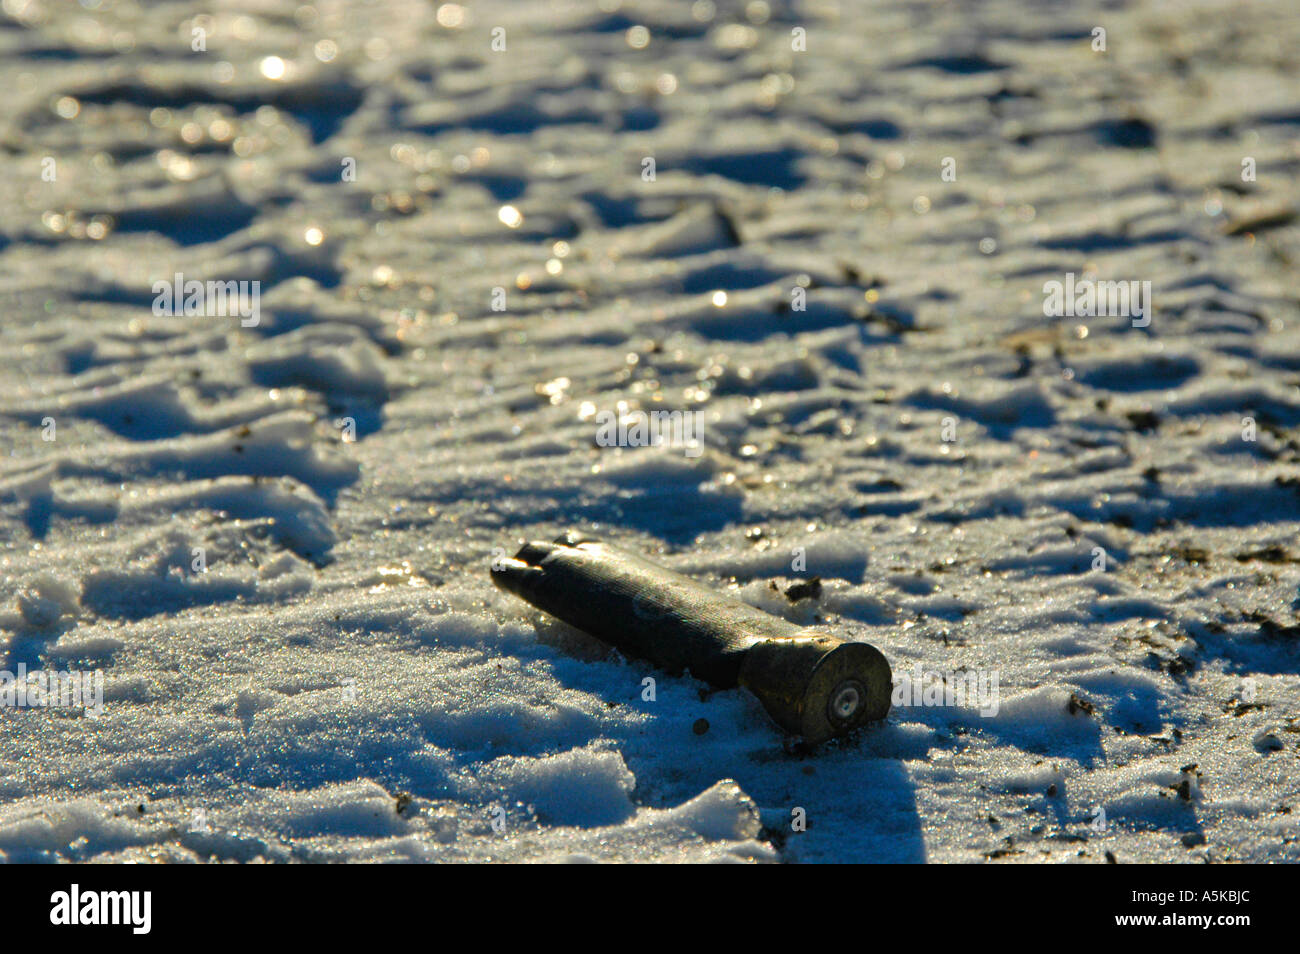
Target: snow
x,y
273,537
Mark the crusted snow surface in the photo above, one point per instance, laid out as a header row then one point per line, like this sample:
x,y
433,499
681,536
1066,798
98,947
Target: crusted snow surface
x,y
272,534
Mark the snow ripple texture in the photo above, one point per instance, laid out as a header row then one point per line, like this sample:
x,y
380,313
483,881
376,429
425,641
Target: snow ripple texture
x,y
1104,515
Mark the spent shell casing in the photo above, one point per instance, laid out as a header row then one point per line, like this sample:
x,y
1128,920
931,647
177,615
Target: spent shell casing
x,y
812,683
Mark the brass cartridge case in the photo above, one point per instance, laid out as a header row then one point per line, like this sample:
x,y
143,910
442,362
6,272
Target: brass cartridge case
x,y
812,683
